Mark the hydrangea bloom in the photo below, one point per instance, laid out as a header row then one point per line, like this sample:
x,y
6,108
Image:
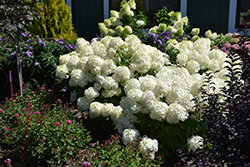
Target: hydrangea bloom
x,y
195,142
148,147
130,136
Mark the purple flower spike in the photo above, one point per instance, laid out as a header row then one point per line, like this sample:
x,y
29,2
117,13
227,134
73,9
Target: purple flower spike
x,y
24,34
12,54
153,35
63,90
159,41
70,45
164,33
188,36
43,44
28,53
168,38
36,64
39,40
28,40
66,47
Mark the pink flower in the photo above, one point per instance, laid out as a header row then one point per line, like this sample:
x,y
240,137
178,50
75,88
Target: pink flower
x,y
16,115
42,88
69,122
235,47
49,90
91,144
57,123
37,113
29,97
227,52
85,163
4,128
227,45
223,49
58,99
1,110
36,108
25,109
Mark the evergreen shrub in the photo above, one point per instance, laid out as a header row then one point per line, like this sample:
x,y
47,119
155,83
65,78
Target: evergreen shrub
x,y
55,21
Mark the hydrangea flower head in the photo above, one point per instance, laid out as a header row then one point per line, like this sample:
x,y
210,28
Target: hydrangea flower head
x,y
195,142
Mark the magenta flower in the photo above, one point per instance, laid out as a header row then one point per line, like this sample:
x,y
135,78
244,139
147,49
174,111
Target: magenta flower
x,y
42,88
69,122
5,128
57,123
7,160
1,110
16,115
37,113
85,163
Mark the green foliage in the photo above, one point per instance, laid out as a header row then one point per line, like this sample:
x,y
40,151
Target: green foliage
x,y
123,54
55,21
171,136
36,54
112,153
162,16
53,133
15,16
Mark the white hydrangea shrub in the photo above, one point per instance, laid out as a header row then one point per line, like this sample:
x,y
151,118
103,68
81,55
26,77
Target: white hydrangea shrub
x,y
165,96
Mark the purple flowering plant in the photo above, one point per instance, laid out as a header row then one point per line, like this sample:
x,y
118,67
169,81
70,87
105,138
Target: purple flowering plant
x,y
36,54
54,135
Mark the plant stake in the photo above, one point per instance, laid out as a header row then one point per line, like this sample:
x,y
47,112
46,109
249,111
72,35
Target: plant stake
x,y
11,88
27,131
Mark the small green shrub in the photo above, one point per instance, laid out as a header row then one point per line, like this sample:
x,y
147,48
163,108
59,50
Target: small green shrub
x,y
112,153
53,133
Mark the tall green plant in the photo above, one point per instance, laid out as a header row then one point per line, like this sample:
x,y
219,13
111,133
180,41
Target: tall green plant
x,y
55,21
